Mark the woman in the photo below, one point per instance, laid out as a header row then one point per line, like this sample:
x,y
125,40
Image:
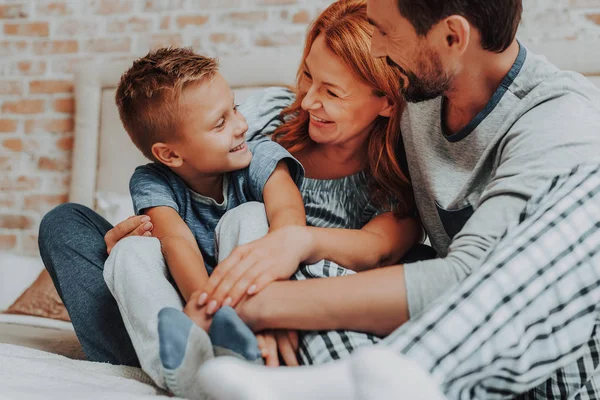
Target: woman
x,y
345,150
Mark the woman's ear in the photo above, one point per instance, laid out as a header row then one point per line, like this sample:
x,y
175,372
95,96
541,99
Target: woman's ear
x,y
388,108
166,155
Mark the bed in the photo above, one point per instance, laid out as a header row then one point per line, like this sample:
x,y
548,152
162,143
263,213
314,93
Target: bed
x,y
46,351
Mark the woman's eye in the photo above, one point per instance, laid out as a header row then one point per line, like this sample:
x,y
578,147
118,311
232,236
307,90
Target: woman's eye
x,y
307,75
330,93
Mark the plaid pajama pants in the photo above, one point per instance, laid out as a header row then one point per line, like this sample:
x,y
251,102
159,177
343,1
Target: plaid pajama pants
x,y
526,323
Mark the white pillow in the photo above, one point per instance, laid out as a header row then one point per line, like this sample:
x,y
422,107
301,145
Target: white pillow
x,y
114,207
17,273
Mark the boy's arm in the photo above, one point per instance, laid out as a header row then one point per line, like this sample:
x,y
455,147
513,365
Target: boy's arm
x,y
283,202
180,250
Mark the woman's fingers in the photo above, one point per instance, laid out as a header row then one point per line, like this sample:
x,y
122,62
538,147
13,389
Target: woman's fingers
x,y
218,274
271,357
132,226
284,345
294,339
220,295
246,282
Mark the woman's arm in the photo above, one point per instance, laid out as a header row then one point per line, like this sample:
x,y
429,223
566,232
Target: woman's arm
x,y
383,241
372,301
180,250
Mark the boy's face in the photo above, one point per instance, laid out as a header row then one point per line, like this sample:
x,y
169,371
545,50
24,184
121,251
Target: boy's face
x,y
211,132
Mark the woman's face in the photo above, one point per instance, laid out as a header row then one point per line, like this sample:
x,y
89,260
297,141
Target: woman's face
x,y
342,108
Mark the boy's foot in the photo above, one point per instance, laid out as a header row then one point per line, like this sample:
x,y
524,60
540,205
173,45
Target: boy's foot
x,y
230,336
184,347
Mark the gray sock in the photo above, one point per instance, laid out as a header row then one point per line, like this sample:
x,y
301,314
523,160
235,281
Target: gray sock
x,y
230,336
184,347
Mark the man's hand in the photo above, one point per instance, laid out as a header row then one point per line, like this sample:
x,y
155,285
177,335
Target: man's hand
x,y
273,344
136,225
251,267
197,313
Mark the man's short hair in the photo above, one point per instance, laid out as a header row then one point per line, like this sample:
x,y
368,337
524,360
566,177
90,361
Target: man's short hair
x,y
496,20
148,93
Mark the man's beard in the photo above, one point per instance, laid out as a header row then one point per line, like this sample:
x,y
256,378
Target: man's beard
x,y
432,83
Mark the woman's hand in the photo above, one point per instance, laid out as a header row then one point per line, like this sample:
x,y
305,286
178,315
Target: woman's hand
x,y
136,225
273,344
251,267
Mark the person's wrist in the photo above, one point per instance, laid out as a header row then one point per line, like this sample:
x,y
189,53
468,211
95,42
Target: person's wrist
x,y
251,312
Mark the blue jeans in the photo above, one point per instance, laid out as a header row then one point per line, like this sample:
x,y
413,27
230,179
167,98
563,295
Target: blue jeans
x,y
72,247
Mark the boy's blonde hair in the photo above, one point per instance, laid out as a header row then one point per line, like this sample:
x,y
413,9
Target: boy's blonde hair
x,y
148,93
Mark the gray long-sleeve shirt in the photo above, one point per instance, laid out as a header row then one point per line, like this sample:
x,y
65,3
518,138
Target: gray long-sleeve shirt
x,y
469,186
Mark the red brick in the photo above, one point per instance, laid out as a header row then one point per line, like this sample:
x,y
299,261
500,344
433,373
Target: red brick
x,y
595,18
301,17
194,20
29,244
8,241
27,29
8,125
56,47
9,88
133,24
31,67
77,28
23,106
13,144
106,7
160,40
55,9
108,45
50,87
43,203
65,144
249,18
165,23
66,105
163,5
18,183
228,38
8,163
68,65
10,48
8,11
279,39
49,125
16,221
54,164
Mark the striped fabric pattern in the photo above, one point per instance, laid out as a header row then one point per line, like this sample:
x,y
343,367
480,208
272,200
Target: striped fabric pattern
x,y
526,324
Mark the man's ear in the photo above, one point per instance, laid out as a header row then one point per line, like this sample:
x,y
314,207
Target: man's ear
x,y
388,109
456,32
166,155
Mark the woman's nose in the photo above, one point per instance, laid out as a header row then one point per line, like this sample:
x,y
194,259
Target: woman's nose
x,y
310,101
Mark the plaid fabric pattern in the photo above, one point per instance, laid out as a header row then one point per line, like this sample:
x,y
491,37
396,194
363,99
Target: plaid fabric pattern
x,y
318,347
526,323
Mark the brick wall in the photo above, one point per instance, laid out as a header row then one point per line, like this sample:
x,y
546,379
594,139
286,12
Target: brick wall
x,y
41,41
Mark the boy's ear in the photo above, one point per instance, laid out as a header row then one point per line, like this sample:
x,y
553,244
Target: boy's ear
x,y
388,108
166,155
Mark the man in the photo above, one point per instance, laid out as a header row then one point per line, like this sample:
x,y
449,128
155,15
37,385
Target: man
x,y
492,136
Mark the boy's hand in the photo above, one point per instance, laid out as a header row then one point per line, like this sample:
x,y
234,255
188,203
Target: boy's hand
x,y
136,225
251,267
274,344
197,313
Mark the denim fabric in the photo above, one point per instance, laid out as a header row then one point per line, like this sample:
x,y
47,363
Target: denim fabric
x,y
71,241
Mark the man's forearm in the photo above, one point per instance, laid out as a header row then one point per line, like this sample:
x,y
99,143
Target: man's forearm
x,y
372,301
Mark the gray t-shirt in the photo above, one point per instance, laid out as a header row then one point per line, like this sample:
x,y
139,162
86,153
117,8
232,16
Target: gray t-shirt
x,y
469,186
155,185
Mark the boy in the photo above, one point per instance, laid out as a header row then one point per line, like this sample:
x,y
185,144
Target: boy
x,y
180,112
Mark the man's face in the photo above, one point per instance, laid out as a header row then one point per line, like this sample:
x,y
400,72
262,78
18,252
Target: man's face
x,y
396,39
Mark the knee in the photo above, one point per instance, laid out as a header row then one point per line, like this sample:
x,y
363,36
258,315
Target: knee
x,y
252,213
56,218
130,255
